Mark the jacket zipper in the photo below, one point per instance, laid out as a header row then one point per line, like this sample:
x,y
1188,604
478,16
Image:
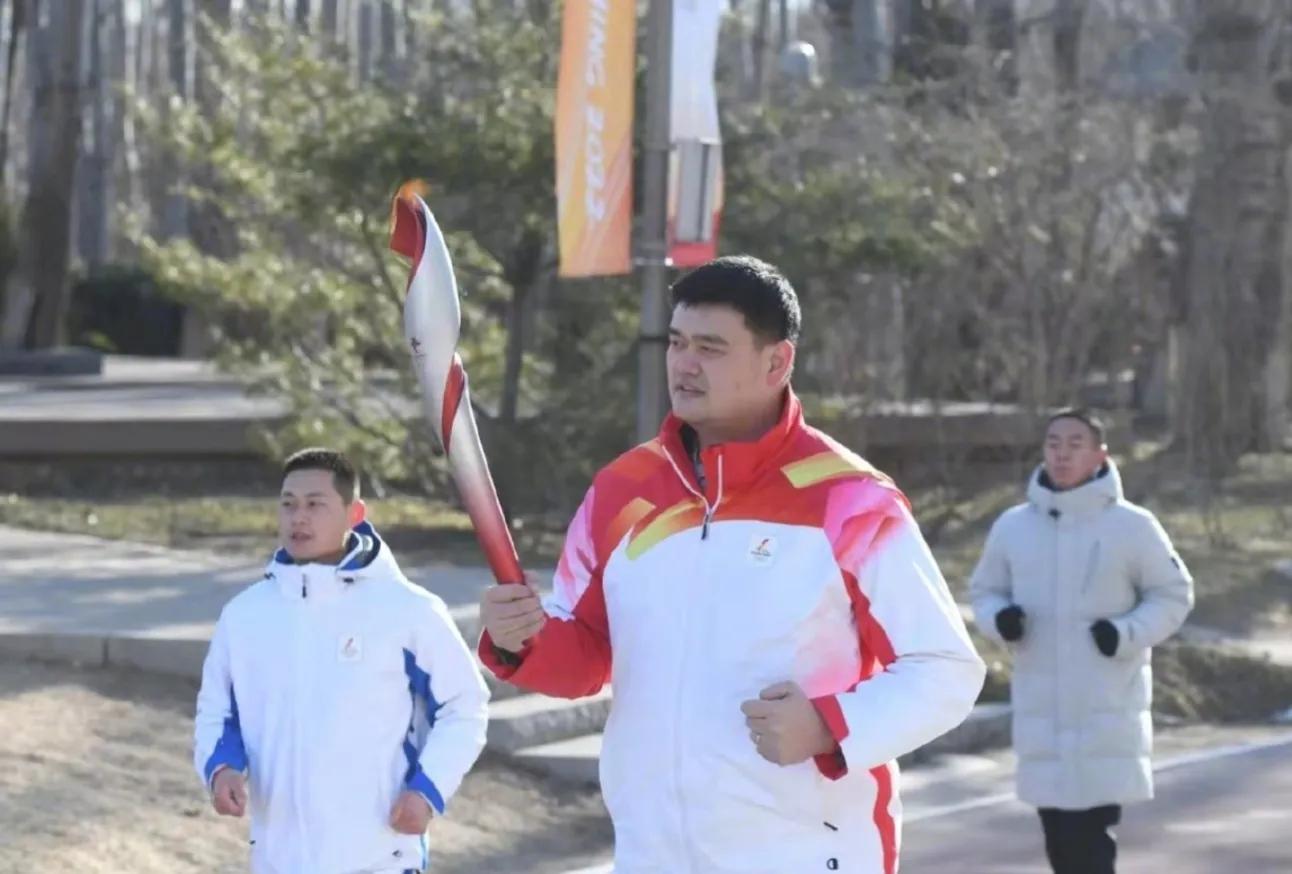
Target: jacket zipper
x,y
298,758
709,509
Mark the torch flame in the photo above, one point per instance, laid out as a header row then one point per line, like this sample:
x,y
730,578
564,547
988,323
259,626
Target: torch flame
x,y
407,236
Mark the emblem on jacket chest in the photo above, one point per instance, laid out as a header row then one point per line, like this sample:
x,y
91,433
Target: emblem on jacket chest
x,y
762,550
349,648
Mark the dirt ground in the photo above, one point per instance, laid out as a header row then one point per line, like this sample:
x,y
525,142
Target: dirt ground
x,y
95,778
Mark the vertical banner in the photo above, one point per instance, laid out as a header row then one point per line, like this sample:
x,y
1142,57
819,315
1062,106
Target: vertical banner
x,y
695,161
594,137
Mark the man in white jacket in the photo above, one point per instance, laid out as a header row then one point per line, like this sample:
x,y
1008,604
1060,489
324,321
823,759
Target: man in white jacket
x,y
775,628
1080,583
343,693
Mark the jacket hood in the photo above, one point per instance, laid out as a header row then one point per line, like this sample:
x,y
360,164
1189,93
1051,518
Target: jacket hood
x,y
366,554
1093,496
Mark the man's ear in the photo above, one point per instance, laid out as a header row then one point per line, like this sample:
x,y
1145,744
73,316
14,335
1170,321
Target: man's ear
x,y
781,363
358,511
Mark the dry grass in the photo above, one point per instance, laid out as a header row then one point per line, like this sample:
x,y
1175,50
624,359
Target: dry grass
x,y
1229,536
418,528
95,777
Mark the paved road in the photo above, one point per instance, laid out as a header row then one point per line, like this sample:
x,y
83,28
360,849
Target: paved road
x,y
1222,814
1224,806
67,583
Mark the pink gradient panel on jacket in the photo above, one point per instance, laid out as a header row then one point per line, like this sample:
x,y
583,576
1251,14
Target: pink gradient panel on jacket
x,y
860,514
578,558
829,660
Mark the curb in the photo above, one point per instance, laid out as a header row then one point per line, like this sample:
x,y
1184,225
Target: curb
x,y
169,657
987,727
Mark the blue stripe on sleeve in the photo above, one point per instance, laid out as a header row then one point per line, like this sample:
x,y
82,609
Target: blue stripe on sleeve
x,y
229,749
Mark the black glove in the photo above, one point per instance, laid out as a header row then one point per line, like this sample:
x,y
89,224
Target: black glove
x,y
1009,622
1106,637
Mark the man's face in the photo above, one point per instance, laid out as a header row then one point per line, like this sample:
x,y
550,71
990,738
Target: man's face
x,y
1072,453
313,520
718,372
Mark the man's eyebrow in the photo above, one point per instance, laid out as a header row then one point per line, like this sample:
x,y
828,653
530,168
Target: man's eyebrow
x,y
700,338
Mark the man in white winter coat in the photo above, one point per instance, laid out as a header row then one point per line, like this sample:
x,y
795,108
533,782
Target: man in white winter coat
x,y
340,691
1080,583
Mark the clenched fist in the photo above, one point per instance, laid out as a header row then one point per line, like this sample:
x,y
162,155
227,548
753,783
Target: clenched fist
x,y
411,814
512,614
785,726
229,792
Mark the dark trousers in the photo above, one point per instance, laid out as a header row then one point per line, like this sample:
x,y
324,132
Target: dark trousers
x,y
1081,841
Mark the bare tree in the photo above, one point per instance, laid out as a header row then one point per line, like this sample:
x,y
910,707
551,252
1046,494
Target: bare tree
x,y
1233,281
759,45
179,66
94,203
56,132
329,20
17,21
363,40
388,27
208,227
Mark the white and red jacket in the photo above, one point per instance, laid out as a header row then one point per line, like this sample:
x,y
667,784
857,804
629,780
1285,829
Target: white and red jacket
x,y
797,562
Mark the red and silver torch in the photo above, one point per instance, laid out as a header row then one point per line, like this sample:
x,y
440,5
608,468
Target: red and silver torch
x,y
432,322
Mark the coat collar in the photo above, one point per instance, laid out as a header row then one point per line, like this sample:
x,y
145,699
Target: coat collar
x,y
366,556
738,463
1093,496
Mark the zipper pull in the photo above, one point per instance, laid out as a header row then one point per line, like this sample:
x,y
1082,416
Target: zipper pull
x,y
704,531
302,586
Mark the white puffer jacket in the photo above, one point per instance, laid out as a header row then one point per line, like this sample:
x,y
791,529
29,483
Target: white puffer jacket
x,y
1082,728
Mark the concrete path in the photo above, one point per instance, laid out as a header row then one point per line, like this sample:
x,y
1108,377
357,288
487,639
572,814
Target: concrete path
x,y
104,602
1223,799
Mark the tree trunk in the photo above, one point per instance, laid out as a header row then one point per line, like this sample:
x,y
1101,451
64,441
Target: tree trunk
x,y
1233,278
388,24
17,21
410,23
509,400
995,30
1277,431
179,63
95,200
524,273
1068,18
362,51
8,231
329,21
759,84
47,220
118,72
138,45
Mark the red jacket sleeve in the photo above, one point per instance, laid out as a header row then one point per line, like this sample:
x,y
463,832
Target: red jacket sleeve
x,y
570,656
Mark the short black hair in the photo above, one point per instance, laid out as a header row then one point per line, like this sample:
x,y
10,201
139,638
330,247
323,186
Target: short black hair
x,y
344,477
1083,415
754,288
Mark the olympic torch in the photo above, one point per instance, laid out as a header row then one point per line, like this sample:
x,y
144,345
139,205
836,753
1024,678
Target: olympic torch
x,y
432,322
